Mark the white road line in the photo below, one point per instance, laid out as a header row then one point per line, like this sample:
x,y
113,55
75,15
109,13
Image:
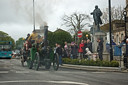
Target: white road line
x,y
69,72
68,82
98,72
4,72
22,72
43,81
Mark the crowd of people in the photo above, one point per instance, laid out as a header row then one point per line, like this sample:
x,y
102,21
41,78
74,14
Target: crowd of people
x,y
74,51
70,50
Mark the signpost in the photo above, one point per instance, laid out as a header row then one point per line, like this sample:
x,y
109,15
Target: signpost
x,y
79,34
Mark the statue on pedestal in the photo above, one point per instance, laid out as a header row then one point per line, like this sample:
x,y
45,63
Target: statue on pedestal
x,y
96,16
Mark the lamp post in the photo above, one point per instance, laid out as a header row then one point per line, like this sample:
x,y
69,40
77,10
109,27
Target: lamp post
x,y
125,14
125,57
33,15
110,30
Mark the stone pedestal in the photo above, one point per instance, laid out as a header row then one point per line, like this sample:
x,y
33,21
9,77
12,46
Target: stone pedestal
x,y
101,35
95,36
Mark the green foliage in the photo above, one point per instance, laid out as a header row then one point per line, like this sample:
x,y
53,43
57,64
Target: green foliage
x,y
59,36
5,37
91,62
19,43
84,36
114,63
51,39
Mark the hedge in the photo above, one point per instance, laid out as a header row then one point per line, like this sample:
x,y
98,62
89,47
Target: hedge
x,y
90,62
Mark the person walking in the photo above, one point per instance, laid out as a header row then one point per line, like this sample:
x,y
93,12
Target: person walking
x,y
84,49
59,51
100,49
74,50
66,50
89,45
81,45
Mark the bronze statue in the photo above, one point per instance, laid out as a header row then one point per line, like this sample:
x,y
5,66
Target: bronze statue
x,y
96,16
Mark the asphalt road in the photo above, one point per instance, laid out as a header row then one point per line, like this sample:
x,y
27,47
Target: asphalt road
x,y
12,73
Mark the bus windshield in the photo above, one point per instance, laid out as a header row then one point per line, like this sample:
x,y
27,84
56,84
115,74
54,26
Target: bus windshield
x,y
5,47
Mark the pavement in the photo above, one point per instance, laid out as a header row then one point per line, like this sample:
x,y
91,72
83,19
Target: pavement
x,y
12,73
91,68
94,68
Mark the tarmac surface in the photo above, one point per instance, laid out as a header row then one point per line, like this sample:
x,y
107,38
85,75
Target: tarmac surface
x,y
12,73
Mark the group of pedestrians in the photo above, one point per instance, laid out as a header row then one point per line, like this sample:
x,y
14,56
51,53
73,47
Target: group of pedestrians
x,y
73,50
85,49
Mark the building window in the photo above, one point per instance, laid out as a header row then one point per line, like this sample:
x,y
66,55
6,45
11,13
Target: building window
x,y
122,37
112,37
117,39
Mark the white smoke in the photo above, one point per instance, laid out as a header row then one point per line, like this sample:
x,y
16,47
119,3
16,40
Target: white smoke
x,y
43,9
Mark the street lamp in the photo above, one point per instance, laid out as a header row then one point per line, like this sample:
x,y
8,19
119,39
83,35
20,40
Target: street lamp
x,y
125,14
110,30
125,19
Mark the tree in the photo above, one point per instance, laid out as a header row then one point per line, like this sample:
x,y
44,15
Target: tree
x,y
116,14
59,36
76,21
86,35
19,43
5,37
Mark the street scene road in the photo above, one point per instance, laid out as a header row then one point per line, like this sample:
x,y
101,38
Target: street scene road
x,y
12,73
64,42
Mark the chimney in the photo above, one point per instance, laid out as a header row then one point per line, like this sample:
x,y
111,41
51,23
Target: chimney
x,y
45,36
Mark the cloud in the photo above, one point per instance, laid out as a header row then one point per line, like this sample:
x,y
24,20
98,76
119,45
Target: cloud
x,y
16,16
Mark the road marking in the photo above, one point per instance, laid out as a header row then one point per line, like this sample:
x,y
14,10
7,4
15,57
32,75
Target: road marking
x,y
68,82
69,72
22,71
42,81
4,71
98,72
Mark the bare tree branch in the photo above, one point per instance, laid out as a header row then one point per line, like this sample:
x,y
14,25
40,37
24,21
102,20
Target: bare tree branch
x,y
76,21
116,14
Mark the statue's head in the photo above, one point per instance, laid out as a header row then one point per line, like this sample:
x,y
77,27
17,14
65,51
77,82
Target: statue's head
x,y
96,7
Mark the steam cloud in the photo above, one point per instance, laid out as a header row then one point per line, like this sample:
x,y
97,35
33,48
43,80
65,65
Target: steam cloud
x,y
21,11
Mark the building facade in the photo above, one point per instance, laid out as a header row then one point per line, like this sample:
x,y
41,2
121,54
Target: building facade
x,y
119,28
118,32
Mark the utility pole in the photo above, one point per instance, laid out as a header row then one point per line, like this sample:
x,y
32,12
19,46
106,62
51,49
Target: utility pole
x,y
125,19
110,30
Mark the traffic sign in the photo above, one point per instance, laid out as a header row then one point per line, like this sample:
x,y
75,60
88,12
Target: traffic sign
x,y
79,34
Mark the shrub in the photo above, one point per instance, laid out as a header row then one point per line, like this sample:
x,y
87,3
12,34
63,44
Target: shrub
x,y
90,62
114,63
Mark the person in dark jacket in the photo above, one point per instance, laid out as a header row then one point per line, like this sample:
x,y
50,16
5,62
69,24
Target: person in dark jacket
x,y
74,50
100,49
89,45
59,51
84,49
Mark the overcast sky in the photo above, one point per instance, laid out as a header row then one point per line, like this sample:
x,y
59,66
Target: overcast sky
x,y
16,15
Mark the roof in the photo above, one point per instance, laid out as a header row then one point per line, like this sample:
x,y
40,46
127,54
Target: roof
x,y
118,23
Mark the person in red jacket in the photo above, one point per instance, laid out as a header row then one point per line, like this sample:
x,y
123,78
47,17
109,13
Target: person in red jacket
x,y
80,50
